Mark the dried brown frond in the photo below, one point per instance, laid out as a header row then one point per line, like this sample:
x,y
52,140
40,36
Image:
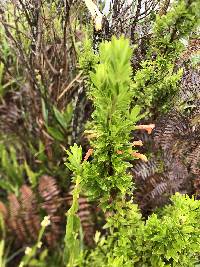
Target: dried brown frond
x,y
50,194
158,179
29,211
23,214
51,203
145,169
16,222
194,160
169,128
192,48
174,165
189,91
163,8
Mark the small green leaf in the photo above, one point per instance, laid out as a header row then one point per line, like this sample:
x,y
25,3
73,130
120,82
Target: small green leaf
x,y
134,114
74,158
60,118
2,247
6,185
97,237
68,113
32,176
55,133
44,112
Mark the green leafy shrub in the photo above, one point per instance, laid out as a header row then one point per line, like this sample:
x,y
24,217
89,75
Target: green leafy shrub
x,y
105,176
157,81
87,58
112,122
170,238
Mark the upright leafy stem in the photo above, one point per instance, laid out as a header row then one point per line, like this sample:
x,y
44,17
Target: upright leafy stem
x,y
72,241
106,177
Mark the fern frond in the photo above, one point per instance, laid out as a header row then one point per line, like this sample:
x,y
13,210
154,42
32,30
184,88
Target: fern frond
x,y
29,211
23,213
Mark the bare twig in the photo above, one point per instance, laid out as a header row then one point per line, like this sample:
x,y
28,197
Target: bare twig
x,y
70,85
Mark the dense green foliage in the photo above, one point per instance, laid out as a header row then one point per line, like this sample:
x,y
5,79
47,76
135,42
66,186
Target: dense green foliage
x,y
170,238
112,122
156,82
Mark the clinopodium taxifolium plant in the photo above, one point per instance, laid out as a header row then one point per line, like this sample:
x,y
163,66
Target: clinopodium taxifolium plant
x,y
170,238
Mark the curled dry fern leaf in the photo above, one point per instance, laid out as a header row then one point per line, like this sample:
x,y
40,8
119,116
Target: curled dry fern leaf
x,y
50,195
22,213
29,211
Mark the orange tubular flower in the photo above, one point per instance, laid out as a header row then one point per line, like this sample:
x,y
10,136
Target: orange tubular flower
x,y
148,127
137,143
119,152
139,156
88,154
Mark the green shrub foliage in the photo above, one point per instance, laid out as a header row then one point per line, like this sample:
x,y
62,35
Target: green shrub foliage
x,y
156,82
169,238
112,121
106,175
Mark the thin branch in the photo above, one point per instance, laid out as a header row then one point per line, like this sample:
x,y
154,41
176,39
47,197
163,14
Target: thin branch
x,y
70,85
